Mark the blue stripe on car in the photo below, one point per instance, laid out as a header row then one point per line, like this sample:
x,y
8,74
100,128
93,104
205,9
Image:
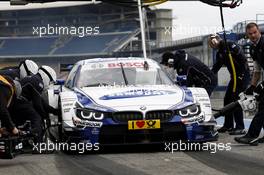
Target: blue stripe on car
x,y
186,101
88,102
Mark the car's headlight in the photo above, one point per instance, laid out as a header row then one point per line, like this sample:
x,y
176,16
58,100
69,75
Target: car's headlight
x,y
191,114
189,111
88,114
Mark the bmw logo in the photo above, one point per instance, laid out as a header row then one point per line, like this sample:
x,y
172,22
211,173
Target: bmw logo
x,y
143,108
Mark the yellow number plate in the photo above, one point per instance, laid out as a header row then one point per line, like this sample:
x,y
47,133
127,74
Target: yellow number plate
x,y
143,124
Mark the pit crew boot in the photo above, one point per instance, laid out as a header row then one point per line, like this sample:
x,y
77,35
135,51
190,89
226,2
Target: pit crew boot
x,y
224,129
261,140
237,132
247,140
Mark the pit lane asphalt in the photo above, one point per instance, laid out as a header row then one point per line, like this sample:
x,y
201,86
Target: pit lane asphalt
x,y
142,160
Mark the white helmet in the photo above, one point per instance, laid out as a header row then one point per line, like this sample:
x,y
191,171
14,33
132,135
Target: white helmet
x,y
48,75
27,68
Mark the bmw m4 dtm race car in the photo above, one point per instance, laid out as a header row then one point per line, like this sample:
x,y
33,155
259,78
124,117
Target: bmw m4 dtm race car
x,y
115,101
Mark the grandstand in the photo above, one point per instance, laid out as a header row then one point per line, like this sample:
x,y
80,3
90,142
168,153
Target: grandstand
x,y
62,45
118,26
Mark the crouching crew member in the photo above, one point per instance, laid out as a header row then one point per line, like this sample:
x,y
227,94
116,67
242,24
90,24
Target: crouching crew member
x,y
9,90
25,68
198,74
30,105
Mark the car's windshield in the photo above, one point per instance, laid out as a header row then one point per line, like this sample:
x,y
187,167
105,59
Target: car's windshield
x,y
114,76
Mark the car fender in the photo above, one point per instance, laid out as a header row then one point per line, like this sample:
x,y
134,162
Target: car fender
x,y
202,98
68,100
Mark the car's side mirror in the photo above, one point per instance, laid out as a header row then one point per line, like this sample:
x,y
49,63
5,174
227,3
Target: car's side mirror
x,y
181,80
66,67
60,82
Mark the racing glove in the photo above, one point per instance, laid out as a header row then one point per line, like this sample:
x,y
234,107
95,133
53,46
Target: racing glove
x,y
258,91
250,90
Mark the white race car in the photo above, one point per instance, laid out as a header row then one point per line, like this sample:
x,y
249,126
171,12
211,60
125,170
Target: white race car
x,y
129,101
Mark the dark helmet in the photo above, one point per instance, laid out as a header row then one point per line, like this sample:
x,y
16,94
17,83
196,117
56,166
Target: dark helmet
x,y
179,54
167,58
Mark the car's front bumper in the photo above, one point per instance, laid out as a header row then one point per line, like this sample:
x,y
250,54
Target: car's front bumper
x,y
169,132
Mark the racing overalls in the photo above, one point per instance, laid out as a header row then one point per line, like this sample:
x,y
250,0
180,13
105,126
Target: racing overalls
x,y
257,53
12,72
240,73
7,93
198,74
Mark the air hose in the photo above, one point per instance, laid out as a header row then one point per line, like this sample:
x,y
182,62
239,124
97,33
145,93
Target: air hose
x,y
227,48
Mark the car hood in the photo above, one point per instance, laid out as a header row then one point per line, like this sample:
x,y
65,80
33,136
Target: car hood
x,y
134,98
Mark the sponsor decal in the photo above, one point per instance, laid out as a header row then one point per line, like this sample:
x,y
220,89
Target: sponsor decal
x,y
136,93
19,146
143,124
66,110
95,131
195,119
203,100
97,66
68,99
126,64
67,104
89,124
